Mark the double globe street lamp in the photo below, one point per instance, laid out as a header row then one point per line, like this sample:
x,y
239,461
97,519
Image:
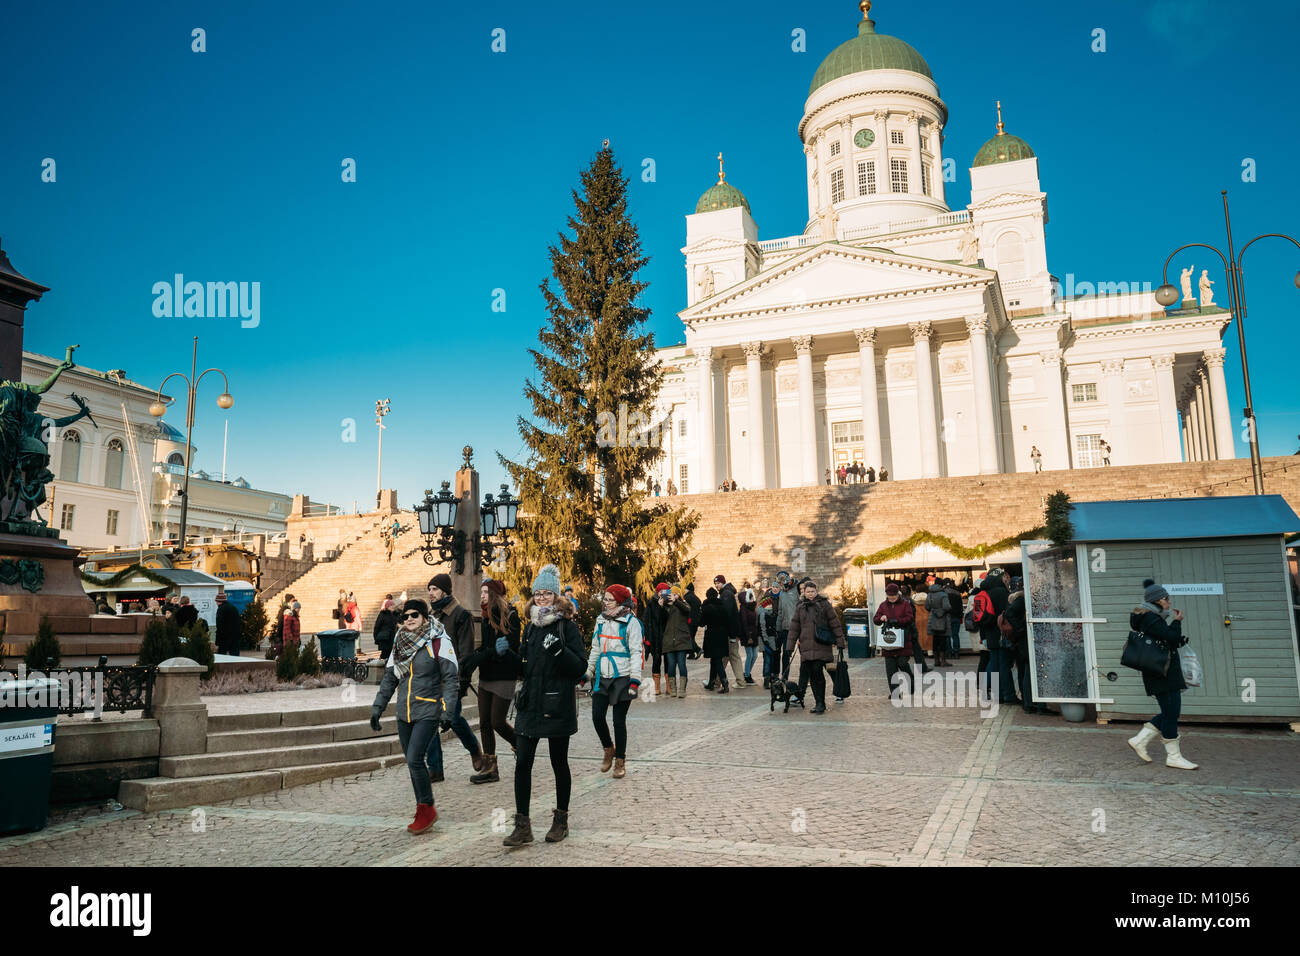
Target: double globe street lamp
x,y
159,407
1167,295
497,517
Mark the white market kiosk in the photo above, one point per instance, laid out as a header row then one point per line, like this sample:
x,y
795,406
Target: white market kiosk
x,y
201,588
1224,563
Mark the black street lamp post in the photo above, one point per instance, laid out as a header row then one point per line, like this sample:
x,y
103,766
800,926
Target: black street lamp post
x,y
437,516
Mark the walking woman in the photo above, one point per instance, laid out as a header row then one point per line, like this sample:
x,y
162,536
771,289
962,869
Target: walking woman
x,y
422,671
713,617
899,614
679,638
615,666
386,627
496,660
1156,619
749,628
654,617
550,663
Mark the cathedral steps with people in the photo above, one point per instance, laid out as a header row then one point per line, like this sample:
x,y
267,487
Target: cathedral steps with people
x,y
835,524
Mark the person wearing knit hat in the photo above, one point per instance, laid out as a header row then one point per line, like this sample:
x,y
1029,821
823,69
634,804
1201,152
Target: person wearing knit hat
x,y
814,630
497,663
653,619
1157,620
615,667
551,663
422,674
458,622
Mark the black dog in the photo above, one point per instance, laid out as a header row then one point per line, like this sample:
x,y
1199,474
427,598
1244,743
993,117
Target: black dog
x,y
784,692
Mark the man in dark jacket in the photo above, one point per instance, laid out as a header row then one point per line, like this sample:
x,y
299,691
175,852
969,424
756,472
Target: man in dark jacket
x,y
228,637
1015,616
186,613
731,604
695,604
1000,656
459,625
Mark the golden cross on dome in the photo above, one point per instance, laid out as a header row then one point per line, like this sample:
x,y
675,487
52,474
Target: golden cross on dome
x,y
721,175
1002,131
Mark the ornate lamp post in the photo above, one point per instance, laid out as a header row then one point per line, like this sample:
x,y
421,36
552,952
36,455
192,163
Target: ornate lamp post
x,y
1167,295
437,515
224,400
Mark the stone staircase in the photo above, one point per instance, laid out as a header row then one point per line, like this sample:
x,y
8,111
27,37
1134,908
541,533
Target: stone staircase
x,y
255,753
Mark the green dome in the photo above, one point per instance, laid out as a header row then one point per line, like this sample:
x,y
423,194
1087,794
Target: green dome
x,y
868,50
1002,148
722,195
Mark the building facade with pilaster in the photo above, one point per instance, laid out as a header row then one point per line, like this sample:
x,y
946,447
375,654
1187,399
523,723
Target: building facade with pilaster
x,y
898,333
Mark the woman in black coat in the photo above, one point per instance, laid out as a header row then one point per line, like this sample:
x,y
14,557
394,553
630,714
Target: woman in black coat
x,y
499,632
717,631
550,662
385,628
1157,620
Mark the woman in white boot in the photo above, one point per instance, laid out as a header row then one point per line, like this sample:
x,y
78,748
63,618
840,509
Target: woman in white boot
x,y
1156,619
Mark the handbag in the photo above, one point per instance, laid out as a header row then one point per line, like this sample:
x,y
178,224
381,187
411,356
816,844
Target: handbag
x,y
840,686
1191,664
1145,654
823,635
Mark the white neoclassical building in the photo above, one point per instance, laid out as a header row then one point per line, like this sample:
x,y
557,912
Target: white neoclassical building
x,y
897,332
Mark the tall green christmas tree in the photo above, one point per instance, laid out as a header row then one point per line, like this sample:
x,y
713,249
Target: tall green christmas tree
x,y
590,448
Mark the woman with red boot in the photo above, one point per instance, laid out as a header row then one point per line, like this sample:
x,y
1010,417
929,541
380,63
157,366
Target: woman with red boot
x,y
422,672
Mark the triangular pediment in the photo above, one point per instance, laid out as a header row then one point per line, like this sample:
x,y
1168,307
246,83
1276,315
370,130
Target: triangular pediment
x,y
832,272
713,244
1008,198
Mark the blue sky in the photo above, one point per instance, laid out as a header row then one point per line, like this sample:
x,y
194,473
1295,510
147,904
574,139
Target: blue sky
x,y
225,166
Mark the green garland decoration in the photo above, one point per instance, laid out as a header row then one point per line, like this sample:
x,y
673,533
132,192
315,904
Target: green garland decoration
x,y
949,545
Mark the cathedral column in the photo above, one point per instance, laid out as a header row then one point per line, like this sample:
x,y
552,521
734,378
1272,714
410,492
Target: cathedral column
x,y
937,152
978,326
1170,436
813,205
1219,403
708,478
1112,373
882,137
1186,435
1194,423
807,412
913,137
870,397
1203,414
921,333
1058,450
757,424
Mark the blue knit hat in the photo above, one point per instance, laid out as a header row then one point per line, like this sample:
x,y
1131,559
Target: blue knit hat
x,y
548,579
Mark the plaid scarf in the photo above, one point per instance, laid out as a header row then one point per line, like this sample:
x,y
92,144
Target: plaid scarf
x,y
406,643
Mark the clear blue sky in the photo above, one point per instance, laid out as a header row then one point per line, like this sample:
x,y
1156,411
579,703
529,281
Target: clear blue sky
x,y
225,166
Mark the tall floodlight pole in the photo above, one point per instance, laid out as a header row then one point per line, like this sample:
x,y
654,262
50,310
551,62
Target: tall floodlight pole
x,y
381,409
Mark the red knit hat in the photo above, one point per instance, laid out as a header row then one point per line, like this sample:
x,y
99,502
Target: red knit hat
x,y
663,586
496,587
620,594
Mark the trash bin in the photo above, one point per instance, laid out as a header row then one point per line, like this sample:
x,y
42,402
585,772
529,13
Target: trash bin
x,y
857,627
28,717
338,643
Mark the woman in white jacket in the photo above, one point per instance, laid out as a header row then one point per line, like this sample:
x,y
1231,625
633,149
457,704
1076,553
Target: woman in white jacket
x,y
615,666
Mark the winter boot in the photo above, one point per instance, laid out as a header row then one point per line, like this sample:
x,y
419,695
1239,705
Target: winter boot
x,y
425,814
559,827
620,767
657,691
479,760
523,832
1175,758
606,762
490,773
681,688
436,776
672,686
725,687
1144,736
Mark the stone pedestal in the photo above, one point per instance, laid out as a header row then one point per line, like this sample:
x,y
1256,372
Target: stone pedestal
x,y
182,717
38,575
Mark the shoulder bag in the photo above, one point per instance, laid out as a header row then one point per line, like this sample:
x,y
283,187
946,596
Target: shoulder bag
x,y
1145,654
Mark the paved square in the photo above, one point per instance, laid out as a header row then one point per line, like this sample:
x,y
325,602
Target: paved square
x,y
721,780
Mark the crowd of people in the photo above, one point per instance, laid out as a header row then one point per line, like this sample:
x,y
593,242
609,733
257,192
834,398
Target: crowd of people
x,y
855,474
531,664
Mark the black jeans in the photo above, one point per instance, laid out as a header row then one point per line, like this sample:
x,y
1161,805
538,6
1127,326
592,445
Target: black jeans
x,y
814,671
895,665
1171,706
414,738
1023,677
527,750
599,707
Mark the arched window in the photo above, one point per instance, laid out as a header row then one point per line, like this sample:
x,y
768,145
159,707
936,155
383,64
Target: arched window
x,y
175,458
1011,254
113,466
70,463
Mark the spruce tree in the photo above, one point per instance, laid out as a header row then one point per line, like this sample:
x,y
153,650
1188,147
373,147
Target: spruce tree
x,y
592,442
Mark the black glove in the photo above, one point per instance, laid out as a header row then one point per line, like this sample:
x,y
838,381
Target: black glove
x,y
375,714
445,724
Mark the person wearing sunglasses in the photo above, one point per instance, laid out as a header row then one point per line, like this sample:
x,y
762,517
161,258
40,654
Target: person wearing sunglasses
x,y
551,662
423,675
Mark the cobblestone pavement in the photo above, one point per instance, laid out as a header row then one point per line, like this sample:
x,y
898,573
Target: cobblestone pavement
x,y
720,780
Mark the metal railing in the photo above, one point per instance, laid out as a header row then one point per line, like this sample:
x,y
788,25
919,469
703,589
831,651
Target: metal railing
x,y
97,689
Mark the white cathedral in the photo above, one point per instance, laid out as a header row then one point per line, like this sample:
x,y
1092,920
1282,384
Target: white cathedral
x,y
896,332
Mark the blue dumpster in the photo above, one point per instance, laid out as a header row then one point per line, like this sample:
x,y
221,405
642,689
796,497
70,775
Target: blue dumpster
x,y
28,717
341,643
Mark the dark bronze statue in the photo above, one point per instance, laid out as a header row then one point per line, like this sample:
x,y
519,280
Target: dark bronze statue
x,y
24,451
